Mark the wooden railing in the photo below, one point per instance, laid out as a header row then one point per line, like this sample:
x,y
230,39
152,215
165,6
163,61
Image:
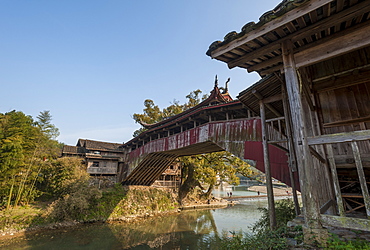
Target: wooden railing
x,y
353,138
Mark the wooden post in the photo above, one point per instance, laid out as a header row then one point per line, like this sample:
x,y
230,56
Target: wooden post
x,y
333,169
270,191
292,157
361,177
304,160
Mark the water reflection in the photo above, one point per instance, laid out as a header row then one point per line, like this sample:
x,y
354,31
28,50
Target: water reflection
x,y
186,230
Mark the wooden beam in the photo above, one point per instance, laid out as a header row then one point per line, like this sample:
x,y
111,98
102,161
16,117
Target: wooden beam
x,y
304,159
345,222
269,106
335,45
292,156
323,24
253,55
317,155
361,177
326,206
346,122
275,119
334,175
360,135
270,26
274,98
265,64
266,158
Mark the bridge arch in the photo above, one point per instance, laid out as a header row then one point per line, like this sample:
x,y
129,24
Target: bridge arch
x,y
241,137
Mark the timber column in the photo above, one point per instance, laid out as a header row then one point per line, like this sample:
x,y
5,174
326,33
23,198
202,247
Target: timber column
x,y
304,160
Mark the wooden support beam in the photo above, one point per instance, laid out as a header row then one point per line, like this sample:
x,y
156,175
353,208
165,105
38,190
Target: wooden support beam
x,y
307,93
334,174
270,192
345,222
274,98
317,155
326,206
275,119
292,156
346,122
360,135
305,165
269,106
342,82
335,45
361,177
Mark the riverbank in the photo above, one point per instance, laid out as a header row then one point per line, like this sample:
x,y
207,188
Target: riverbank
x,y
122,204
261,192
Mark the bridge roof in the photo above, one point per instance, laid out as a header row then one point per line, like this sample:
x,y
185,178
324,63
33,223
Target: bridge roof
x,y
268,87
98,145
317,29
216,97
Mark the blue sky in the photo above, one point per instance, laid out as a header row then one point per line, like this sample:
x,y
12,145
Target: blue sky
x,y
93,63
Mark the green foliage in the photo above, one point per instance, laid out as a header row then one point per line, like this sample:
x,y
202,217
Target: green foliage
x,y
153,114
58,176
45,125
334,242
76,203
284,212
24,145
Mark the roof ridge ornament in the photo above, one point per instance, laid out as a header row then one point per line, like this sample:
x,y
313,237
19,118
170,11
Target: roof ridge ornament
x,y
216,82
226,85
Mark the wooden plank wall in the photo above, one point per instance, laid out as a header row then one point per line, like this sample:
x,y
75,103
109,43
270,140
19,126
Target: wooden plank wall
x,y
312,123
344,98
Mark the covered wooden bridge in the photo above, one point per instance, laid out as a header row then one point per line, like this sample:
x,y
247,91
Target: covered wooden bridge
x,y
216,124
314,57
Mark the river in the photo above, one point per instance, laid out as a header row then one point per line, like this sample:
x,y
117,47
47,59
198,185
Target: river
x,y
185,230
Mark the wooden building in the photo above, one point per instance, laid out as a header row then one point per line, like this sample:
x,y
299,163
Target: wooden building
x,y
314,57
102,159
104,162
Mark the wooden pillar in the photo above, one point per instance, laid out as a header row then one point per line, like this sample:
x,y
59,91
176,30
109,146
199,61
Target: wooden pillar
x,y
361,177
270,191
333,169
304,161
292,156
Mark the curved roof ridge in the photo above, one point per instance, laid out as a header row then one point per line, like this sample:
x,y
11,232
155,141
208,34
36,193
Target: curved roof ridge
x,y
215,95
282,8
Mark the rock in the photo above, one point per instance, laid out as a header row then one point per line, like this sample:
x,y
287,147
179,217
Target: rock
x,y
291,242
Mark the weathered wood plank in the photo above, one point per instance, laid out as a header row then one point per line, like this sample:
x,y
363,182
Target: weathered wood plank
x,y
361,177
270,107
266,157
334,174
296,36
335,45
292,157
305,166
326,206
340,137
346,122
345,222
270,26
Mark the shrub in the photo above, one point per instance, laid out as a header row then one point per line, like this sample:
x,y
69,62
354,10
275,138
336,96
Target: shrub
x,y
74,205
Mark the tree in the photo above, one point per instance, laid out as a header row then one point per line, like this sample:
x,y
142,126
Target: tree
x,y
45,125
24,145
210,169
